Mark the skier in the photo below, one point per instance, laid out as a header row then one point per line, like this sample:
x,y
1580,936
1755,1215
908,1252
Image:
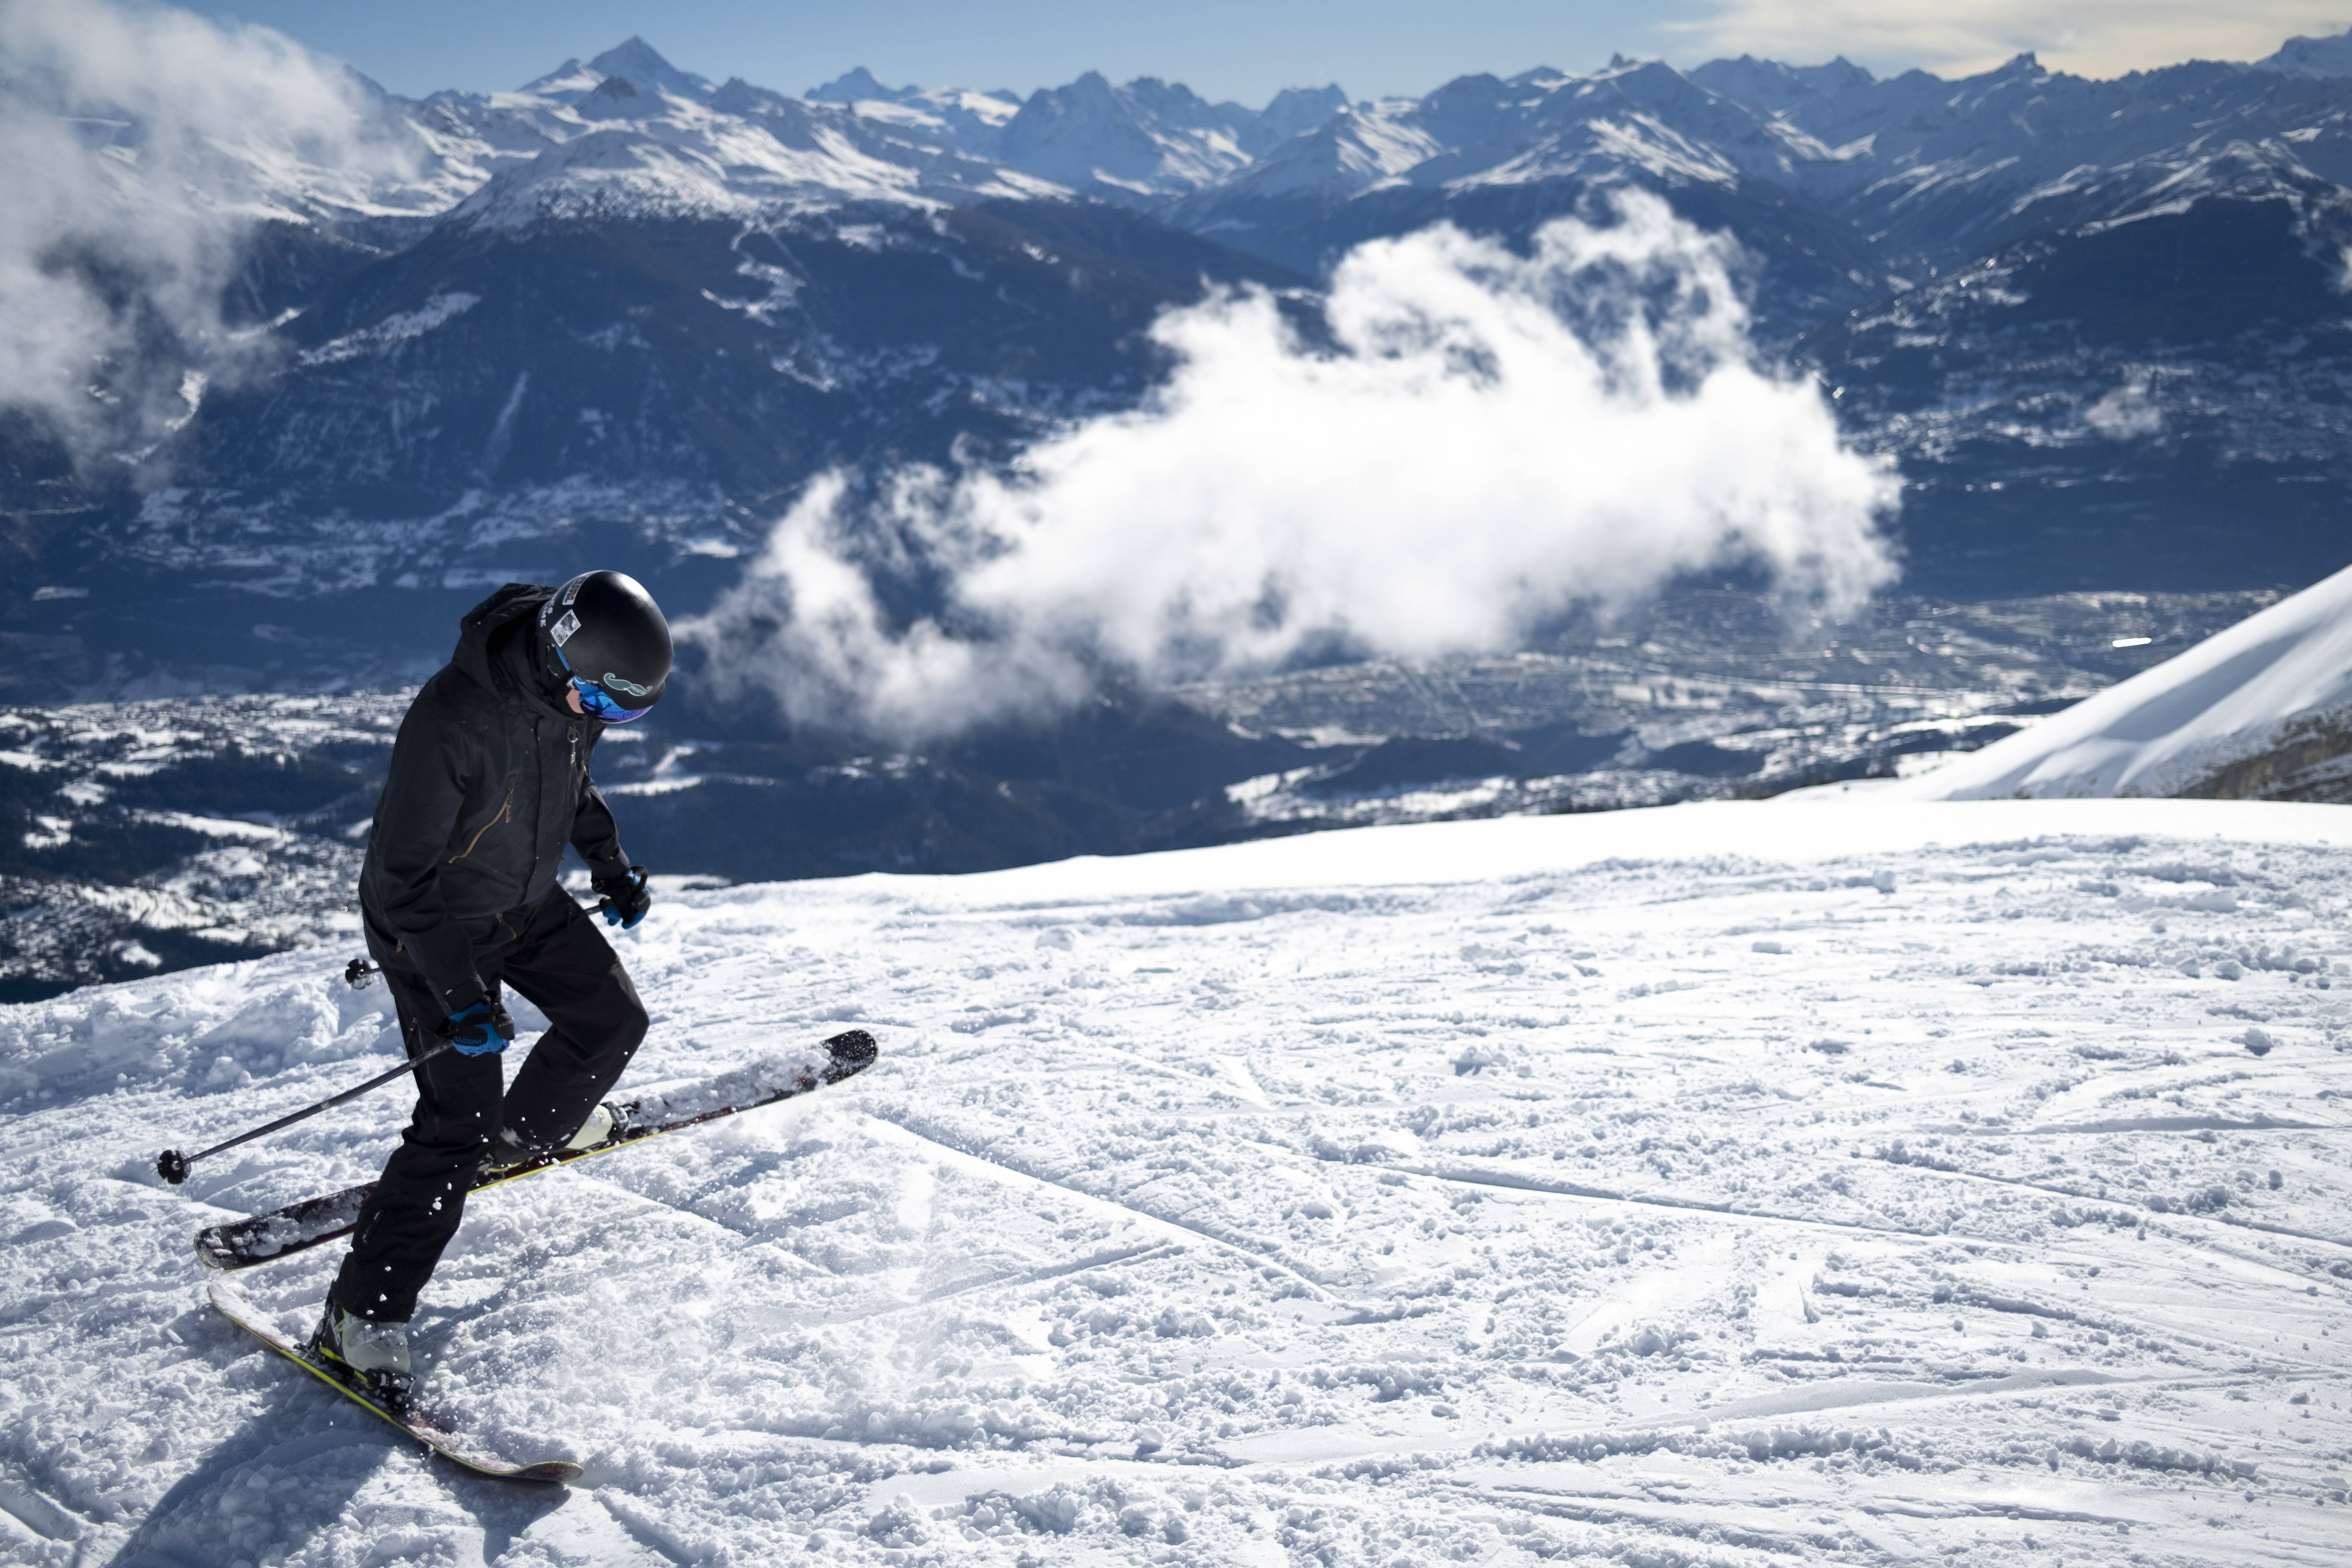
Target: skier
x,y
489,782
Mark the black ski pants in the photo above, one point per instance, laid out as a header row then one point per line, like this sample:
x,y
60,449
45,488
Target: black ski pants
x,y
559,961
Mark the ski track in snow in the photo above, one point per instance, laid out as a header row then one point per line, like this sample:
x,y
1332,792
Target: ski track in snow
x,y
1728,1185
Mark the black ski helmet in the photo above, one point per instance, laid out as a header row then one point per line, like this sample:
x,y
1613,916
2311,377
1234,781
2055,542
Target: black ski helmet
x,y
602,626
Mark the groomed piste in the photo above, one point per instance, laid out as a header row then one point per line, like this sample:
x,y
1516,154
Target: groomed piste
x,y
1831,1180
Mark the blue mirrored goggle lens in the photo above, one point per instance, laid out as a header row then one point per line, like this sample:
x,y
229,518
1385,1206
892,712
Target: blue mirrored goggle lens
x,y
593,698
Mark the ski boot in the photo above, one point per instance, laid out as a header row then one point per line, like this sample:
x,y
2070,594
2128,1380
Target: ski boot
x,y
371,1355
606,1122
508,1154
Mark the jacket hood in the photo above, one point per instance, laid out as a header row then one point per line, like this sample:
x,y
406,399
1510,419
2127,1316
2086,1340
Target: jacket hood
x,y
515,602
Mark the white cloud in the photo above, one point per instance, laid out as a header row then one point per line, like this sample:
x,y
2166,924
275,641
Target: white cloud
x,y
1493,438
2126,413
138,145
2090,38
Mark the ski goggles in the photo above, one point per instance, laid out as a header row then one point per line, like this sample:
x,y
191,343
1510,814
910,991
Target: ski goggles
x,y
599,705
597,701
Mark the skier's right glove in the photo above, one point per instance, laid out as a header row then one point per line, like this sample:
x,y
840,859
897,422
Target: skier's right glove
x,y
480,1030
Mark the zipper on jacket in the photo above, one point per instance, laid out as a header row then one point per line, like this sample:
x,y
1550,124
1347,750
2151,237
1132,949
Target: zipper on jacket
x,y
538,816
505,806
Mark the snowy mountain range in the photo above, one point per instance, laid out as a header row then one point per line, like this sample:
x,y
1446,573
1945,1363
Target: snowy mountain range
x,y
623,310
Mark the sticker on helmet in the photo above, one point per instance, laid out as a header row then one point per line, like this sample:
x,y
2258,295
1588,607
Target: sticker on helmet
x,y
561,632
572,589
631,687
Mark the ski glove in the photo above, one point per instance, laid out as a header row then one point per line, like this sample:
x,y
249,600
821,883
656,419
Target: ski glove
x,y
626,897
480,1030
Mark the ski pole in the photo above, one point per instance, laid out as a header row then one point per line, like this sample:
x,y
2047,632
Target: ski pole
x,y
173,1165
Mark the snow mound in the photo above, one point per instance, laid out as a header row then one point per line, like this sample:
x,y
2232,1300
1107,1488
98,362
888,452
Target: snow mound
x,y
2264,709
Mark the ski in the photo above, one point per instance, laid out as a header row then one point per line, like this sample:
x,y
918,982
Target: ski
x,y
422,1424
297,1227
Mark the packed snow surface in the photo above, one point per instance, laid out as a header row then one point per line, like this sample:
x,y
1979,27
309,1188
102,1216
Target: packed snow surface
x,y
1835,1182
2235,695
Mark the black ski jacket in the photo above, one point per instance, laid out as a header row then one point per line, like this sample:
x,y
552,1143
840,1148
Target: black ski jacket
x,y
489,783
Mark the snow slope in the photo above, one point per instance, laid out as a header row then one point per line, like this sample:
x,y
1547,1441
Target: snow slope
x,y
1718,1184
2277,684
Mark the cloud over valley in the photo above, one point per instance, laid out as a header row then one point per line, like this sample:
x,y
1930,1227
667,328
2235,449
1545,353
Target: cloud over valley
x,y
1487,439
139,148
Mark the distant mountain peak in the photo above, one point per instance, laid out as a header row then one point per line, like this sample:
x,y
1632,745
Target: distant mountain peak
x,y
1295,111
644,65
857,85
2308,57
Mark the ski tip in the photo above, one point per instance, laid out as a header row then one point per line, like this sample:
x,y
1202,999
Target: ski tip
x,y
852,1050
229,1301
555,1472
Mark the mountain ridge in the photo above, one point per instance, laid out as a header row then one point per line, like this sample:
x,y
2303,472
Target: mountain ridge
x,y
1875,214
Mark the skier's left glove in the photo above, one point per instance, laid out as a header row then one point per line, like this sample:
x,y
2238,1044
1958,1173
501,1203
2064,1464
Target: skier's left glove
x,y
626,898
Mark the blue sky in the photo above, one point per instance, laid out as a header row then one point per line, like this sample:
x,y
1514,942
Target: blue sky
x,y
1246,49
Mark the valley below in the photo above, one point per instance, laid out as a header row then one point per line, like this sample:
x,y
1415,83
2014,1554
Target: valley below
x,y
148,834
